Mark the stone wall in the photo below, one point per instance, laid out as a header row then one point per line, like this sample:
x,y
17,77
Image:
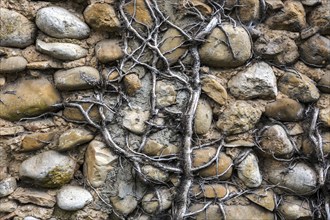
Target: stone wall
x,y
152,109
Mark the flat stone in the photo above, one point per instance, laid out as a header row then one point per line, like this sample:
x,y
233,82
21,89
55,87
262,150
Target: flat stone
x,y
34,196
248,171
7,186
140,11
171,46
315,50
36,141
298,86
166,94
13,130
99,161
7,205
132,83
27,98
216,52
60,23
300,179
238,117
257,81
320,17
75,114
285,109
78,78
108,50
102,16
292,18
292,207
264,198
48,169
203,117
73,138
12,64
134,120
151,203
71,198
275,141
125,205
209,191
212,88
61,51
15,29
154,148
155,173
34,211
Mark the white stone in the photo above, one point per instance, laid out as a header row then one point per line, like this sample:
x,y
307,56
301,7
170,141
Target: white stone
x,y
248,171
134,120
73,198
7,186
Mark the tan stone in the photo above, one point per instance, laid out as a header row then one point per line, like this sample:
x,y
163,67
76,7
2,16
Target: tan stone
x,y
72,138
203,117
13,130
75,114
12,64
132,83
313,73
134,120
155,173
166,94
285,109
316,50
264,198
209,191
151,203
38,197
214,90
108,50
171,46
205,9
324,105
36,141
140,10
102,16
294,208
248,171
249,10
27,98
124,205
320,17
154,148
324,83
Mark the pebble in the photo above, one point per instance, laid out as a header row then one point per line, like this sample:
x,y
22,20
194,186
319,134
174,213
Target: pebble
x,y
134,120
61,51
15,30
72,198
298,86
154,148
60,23
73,138
275,141
165,94
215,53
171,46
79,78
238,117
7,186
212,88
151,203
48,169
99,161
154,173
36,141
12,64
35,196
209,191
26,98
256,81
292,207
315,50
248,171
102,16
285,109
132,83
203,117
124,205
108,50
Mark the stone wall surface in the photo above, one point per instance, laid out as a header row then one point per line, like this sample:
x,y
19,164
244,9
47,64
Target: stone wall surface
x,y
154,109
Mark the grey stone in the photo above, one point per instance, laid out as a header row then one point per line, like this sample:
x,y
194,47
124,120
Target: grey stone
x,y
73,198
285,109
248,171
292,207
15,29
78,78
124,205
155,173
7,186
324,83
316,50
203,117
108,50
60,23
48,169
257,81
134,120
166,94
12,64
61,51
35,196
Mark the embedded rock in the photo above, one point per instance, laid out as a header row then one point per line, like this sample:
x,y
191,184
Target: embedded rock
x,y
320,17
154,148
108,51
218,51
209,191
36,141
238,117
275,141
15,29
7,205
71,198
132,84
154,173
78,78
257,81
60,23
138,9
72,138
171,46
285,109
166,94
99,160
248,171
316,50
27,98
12,64
263,197
250,10
203,117
124,205
35,196
151,203
48,169
324,83
74,113
102,16
61,51
212,88
298,86
134,120
292,207
7,186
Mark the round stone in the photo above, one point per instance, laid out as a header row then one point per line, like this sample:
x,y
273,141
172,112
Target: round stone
x,y
12,64
73,198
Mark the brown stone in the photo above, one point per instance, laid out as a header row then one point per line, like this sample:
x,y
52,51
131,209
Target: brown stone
x,y
72,138
140,10
37,197
154,173
324,105
36,141
214,90
124,205
313,73
75,114
132,83
292,207
203,117
324,83
102,16
108,51
320,17
201,6
154,148
285,109
249,10
264,198
209,191
316,50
